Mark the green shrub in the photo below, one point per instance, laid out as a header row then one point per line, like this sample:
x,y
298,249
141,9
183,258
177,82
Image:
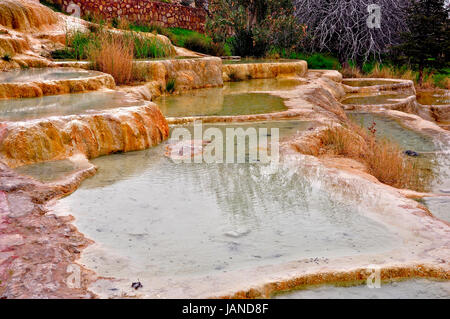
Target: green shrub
x,y
7,57
188,39
54,6
170,85
321,61
63,54
80,43
315,61
149,47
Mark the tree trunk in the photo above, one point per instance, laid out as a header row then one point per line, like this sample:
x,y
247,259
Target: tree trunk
x,y
420,80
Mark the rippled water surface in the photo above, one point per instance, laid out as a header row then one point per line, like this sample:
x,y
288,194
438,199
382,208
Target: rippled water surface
x,y
362,83
44,74
364,99
246,61
214,103
59,105
408,289
234,98
391,129
434,154
150,216
441,97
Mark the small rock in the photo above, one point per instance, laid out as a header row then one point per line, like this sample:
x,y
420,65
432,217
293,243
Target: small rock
x,y
136,285
411,153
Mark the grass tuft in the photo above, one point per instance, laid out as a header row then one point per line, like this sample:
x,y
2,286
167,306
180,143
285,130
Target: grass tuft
x,y
384,159
170,85
7,57
114,55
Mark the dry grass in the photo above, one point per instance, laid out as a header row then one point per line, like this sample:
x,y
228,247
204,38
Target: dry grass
x,y
351,72
384,159
383,71
114,55
141,73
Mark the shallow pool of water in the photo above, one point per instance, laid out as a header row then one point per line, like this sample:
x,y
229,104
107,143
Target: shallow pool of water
x,y
363,83
439,206
441,97
246,61
262,85
408,289
364,99
152,217
48,171
67,104
434,155
392,130
214,102
234,98
44,74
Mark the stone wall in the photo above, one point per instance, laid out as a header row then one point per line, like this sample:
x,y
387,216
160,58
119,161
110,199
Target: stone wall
x,y
164,14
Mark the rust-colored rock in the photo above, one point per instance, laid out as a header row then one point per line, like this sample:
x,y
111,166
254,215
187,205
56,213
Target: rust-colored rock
x,y
32,88
241,72
101,133
25,15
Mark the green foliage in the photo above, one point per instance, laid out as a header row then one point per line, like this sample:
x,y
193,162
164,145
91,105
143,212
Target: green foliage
x,y
7,57
63,54
145,47
441,79
315,61
188,39
80,44
321,61
427,43
54,6
170,85
149,28
253,27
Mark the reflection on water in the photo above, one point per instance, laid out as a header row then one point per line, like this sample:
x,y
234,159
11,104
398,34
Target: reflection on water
x,y
249,60
44,74
363,83
389,128
364,99
214,102
48,171
408,289
439,206
150,216
432,159
441,97
278,84
67,104
234,98
434,155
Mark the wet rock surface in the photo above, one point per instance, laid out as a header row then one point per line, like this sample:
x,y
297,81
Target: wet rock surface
x,y
39,250
51,81
35,248
96,134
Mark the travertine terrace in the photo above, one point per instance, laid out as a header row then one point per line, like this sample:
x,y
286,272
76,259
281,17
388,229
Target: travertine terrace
x,y
44,230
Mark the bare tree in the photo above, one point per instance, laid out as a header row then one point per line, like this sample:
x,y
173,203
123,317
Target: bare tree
x,y
348,28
